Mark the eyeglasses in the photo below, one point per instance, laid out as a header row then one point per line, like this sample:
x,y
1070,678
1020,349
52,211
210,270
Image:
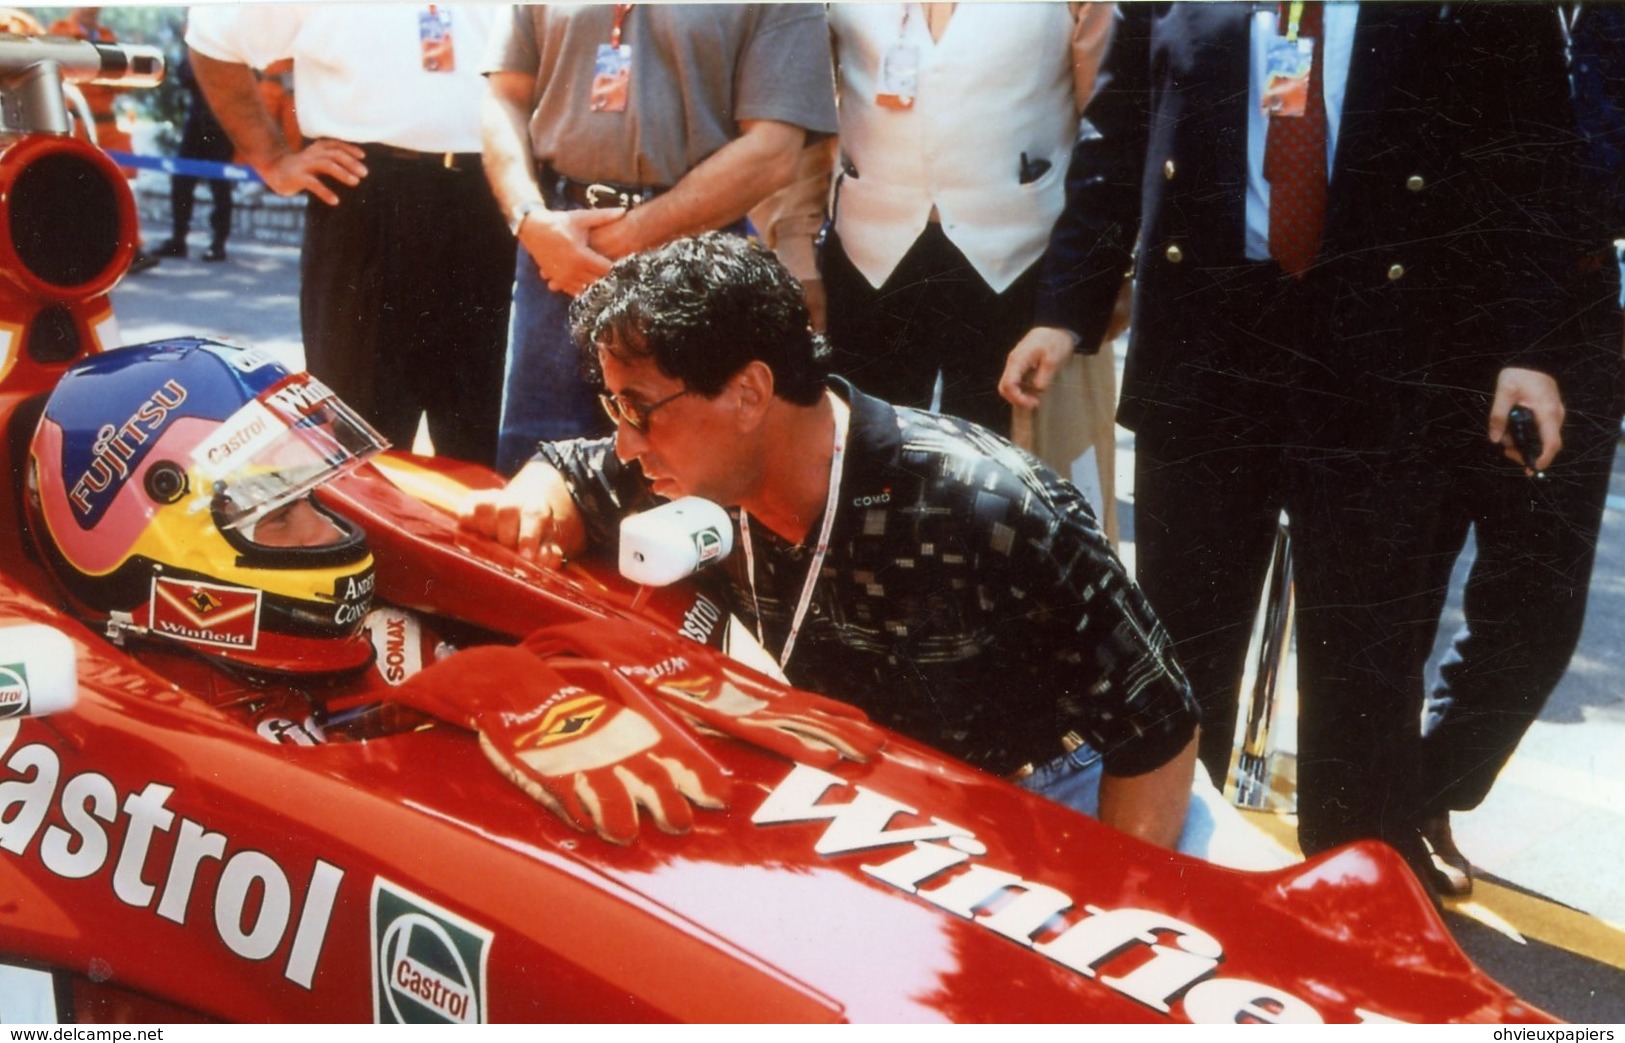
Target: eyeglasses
x,y
632,412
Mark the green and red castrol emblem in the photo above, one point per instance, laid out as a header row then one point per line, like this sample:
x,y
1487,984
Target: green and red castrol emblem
x,y
428,964
13,690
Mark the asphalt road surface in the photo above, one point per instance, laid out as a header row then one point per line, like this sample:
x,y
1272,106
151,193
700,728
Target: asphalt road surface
x,y
1548,916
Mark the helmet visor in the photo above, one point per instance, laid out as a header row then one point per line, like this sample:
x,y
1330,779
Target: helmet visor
x,y
292,438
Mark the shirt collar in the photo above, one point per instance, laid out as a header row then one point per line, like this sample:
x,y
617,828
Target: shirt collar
x,y
874,434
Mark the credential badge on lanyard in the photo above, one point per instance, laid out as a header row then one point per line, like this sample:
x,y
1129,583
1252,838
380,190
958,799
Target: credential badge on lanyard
x,y
612,69
434,36
899,71
1287,64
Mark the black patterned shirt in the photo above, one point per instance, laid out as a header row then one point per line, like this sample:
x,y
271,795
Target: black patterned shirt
x,y
968,598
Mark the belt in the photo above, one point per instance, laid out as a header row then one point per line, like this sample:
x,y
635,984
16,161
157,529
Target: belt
x,y
592,195
445,160
1070,742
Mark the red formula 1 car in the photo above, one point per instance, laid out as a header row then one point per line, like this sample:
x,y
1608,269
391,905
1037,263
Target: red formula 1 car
x,y
164,858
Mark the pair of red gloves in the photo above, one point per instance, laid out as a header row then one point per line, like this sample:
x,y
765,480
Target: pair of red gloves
x,y
596,719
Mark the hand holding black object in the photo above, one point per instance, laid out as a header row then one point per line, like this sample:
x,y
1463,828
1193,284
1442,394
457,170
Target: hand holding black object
x,y
1525,436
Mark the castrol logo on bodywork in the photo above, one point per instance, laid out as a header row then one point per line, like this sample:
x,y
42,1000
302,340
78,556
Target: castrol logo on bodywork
x,y
428,964
13,690
87,828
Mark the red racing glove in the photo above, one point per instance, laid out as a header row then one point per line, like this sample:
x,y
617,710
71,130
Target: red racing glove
x,y
575,736
719,693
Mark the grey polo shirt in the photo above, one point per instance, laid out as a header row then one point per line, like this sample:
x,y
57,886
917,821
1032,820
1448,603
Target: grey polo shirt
x,y
697,70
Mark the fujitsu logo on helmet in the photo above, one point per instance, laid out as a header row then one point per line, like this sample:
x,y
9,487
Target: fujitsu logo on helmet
x,y
116,448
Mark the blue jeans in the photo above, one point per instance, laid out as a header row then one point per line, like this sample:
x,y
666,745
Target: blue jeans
x,y
1214,831
544,396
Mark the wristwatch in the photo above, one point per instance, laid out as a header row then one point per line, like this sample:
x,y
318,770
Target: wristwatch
x,y
516,217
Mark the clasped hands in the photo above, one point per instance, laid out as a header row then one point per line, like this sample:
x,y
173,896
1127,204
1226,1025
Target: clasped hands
x,y
573,248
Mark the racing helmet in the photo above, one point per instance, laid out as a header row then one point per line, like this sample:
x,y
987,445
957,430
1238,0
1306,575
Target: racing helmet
x,y
152,470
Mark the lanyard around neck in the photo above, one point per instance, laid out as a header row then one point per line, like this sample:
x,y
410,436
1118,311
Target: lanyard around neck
x,y
842,415
1294,19
621,11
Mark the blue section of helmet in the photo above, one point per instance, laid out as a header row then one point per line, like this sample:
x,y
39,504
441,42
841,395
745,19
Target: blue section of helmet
x,y
114,407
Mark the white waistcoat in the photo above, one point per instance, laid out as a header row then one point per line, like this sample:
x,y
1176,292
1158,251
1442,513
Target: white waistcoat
x,y
998,83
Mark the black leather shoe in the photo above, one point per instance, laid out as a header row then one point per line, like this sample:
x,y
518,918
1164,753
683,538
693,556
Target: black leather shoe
x,y
171,248
216,252
142,261
1450,873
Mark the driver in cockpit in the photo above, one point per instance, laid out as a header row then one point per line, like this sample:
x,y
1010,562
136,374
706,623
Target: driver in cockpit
x,y
168,490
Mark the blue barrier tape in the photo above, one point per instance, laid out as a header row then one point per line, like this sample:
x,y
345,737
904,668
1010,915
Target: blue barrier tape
x,y
199,168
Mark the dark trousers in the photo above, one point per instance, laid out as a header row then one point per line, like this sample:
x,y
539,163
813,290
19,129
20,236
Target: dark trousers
x,y
404,296
1525,597
181,190
1206,514
1244,428
933,313
202,138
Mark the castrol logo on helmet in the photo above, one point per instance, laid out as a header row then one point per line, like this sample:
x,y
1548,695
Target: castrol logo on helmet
x,y
249,430
428,964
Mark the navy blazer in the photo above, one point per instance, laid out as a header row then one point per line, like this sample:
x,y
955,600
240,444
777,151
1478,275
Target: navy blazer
x,y
1597,47
1449,223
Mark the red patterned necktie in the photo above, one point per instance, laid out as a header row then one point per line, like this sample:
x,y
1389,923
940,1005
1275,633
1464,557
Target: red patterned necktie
x,y
1295,162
